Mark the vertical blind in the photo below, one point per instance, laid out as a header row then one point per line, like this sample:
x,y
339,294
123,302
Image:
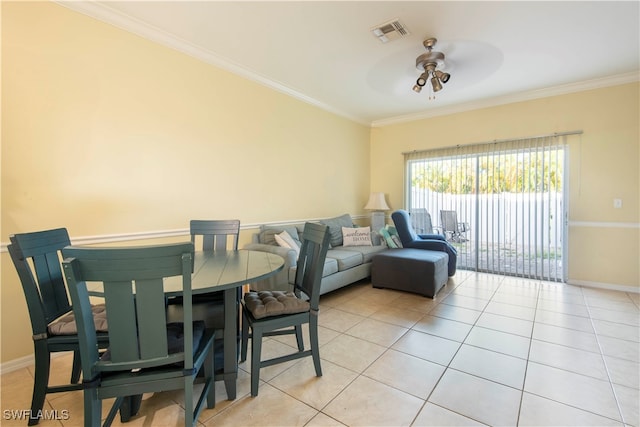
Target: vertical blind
x,y
502,204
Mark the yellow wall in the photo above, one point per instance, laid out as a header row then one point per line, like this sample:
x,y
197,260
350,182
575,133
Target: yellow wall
x,y
604,162
104,132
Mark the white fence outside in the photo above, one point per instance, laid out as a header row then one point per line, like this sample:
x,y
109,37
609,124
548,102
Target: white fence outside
x,y
533,221
516,234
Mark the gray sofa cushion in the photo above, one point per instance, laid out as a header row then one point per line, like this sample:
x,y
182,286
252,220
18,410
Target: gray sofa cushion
x,y
345,259
367,251
330,267
335,228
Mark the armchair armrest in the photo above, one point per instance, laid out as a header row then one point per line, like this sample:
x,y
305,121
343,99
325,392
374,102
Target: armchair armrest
x,y
432,245
432,237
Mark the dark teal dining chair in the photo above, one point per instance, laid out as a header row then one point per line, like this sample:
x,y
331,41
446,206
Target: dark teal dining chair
x,y
211,236
269,313
215,234
36,257
145,354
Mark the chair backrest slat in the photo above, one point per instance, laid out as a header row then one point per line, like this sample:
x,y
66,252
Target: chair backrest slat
x,y
132,280
215,233
315,243
121,317
150,301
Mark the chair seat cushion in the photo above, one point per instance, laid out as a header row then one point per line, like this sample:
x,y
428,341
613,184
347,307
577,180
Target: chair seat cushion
x,y
274,303
66,325
175,338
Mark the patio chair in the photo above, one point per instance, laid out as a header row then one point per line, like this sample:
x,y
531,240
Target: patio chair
x,y
421,221
453,230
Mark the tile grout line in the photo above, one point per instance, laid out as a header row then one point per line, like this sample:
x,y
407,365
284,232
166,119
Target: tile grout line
x,y
526,368
604,361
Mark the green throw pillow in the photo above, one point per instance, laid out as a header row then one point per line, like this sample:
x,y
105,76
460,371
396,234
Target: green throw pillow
x,y
390,236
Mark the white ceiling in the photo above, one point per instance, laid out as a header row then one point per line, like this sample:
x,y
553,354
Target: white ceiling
x,y
324,52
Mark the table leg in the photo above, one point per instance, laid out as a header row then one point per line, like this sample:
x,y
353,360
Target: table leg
x,y
230,342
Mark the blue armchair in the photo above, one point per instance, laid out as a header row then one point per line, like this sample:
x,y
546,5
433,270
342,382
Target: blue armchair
x,y
432,242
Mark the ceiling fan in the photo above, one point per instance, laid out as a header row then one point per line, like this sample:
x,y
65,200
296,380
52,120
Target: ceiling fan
x,y
428,63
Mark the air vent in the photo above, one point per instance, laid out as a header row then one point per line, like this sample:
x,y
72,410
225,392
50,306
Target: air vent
x,y
390,31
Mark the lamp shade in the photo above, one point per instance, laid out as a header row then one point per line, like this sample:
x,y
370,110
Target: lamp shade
x,y
376,202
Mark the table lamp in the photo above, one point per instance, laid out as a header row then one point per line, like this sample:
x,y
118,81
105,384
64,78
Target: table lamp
x,y
378,205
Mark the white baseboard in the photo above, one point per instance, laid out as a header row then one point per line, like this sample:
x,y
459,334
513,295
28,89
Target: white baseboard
x,y
15,364
25,362
608,286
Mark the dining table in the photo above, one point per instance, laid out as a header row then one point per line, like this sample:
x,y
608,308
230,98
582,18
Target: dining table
x,y
223,271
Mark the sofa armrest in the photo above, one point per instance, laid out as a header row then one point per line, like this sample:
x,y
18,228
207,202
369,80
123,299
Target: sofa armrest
x,y
279,281
289,255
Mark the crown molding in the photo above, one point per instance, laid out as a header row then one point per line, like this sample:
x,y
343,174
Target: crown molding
x,y
615,80
108,15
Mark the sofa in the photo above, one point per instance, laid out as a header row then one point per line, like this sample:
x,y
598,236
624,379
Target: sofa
x,y
348,258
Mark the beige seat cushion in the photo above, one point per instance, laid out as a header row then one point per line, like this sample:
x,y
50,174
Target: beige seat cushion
x,y
273,303
66,325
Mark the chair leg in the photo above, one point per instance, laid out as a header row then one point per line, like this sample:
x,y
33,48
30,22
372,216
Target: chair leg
x,y
75,370
245,337
299,339
120,404
315,348
256,349
92,408
129,407
188,401
209,375
40,381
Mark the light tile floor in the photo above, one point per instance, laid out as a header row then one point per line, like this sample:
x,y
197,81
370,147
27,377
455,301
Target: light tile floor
x,y
488,350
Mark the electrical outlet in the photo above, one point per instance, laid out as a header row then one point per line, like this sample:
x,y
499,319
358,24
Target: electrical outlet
x,y
617,203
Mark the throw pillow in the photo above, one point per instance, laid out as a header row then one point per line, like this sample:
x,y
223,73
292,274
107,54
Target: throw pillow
x,y
285,240
268,232
335,228
360,236
394,235
387,239
390,236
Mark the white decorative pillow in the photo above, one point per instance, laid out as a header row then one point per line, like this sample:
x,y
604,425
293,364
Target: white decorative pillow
x,y
360,236
285,240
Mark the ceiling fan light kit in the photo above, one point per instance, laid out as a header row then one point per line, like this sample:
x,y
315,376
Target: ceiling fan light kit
x,y
428,63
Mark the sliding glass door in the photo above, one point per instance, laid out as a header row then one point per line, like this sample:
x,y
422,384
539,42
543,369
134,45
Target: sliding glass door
x,y
501,204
